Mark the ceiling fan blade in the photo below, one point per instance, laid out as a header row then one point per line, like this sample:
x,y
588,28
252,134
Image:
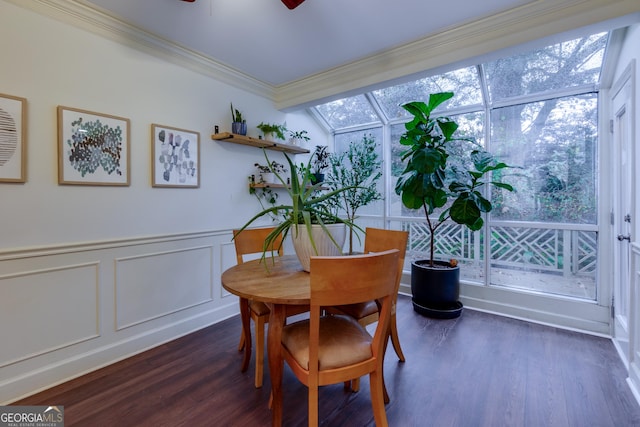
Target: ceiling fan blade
x,y
292,4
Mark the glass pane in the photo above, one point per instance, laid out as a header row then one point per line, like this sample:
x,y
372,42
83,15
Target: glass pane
x,y
348,112
558,66
463,82
554,142
554,261
342,140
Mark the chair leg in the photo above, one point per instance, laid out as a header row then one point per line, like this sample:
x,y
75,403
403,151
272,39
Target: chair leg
x,y
395,340
355,385
259,325
241,343
385,393
313,406
245,316
377,400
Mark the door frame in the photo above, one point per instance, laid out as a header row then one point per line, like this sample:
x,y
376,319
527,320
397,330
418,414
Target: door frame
x,y
623,331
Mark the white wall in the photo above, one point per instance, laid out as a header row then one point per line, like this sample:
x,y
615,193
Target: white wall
x,y
53,64
92,274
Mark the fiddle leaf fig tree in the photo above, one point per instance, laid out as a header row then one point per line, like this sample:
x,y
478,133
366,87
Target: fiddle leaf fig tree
x,y
438,175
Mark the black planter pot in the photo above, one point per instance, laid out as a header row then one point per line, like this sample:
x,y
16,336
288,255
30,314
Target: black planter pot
x,y
436,289
317,177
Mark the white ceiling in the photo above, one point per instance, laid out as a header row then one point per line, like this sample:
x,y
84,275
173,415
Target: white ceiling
x,y
327,49
275,45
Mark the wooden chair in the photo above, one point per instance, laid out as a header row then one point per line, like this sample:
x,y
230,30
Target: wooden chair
x,y
378,240
332,349
251,241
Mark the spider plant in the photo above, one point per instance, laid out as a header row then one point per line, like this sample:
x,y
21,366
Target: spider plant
x,y
308,206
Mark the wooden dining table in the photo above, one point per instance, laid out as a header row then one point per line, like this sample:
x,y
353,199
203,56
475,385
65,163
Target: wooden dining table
x,y
278,282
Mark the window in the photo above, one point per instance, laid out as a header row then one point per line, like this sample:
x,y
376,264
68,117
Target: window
x,y
464,82
537,110
347,112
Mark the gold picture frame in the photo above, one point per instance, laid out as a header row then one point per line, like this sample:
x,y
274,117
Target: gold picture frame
x,y
175,157
93,148
13,138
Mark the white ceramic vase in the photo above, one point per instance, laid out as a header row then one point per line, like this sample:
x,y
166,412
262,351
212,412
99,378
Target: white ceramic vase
x,y
268,177
324,245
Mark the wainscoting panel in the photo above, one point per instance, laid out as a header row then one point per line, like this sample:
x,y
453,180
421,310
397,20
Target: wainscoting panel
x,y
152,285
67,310
634,323
49,309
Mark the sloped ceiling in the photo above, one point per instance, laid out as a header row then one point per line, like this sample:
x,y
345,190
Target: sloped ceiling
x,y
329,48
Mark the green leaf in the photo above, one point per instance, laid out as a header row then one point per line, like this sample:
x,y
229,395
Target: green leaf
x,y
435,99
458,187
503,185
427,160
411,201
482,160
418,110
464,210
448,127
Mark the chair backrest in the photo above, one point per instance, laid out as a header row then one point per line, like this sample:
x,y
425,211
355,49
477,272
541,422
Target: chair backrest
x,y
379,240
349,280
252,241
340,280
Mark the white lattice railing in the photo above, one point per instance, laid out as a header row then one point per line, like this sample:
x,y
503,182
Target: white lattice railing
x,y
566,251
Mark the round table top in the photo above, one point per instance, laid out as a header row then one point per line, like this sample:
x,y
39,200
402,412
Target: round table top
x,y
280,281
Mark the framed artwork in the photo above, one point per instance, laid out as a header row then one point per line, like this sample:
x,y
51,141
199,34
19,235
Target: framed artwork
x,y
13,138
175,157
93,148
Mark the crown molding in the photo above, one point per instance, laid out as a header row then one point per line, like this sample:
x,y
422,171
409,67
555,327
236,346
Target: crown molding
x,y
81,15
535,20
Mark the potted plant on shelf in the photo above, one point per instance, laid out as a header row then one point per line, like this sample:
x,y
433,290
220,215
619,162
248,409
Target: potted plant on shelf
x,y
238,123
315,230
442,178
272,130
359,170
266,196
296,137
319,162
267,173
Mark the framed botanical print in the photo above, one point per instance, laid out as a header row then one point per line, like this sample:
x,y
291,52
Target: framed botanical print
x,y
93,148
175,157
13,139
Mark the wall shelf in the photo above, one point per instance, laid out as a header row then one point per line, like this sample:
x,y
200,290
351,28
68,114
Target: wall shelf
x,y
270,185
266,185
259,143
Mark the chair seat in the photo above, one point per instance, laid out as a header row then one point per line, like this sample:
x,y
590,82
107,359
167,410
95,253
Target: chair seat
x,y
343,341
259,308
360,310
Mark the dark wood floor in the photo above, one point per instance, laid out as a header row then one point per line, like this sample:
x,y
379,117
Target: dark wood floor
x,y
477,370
